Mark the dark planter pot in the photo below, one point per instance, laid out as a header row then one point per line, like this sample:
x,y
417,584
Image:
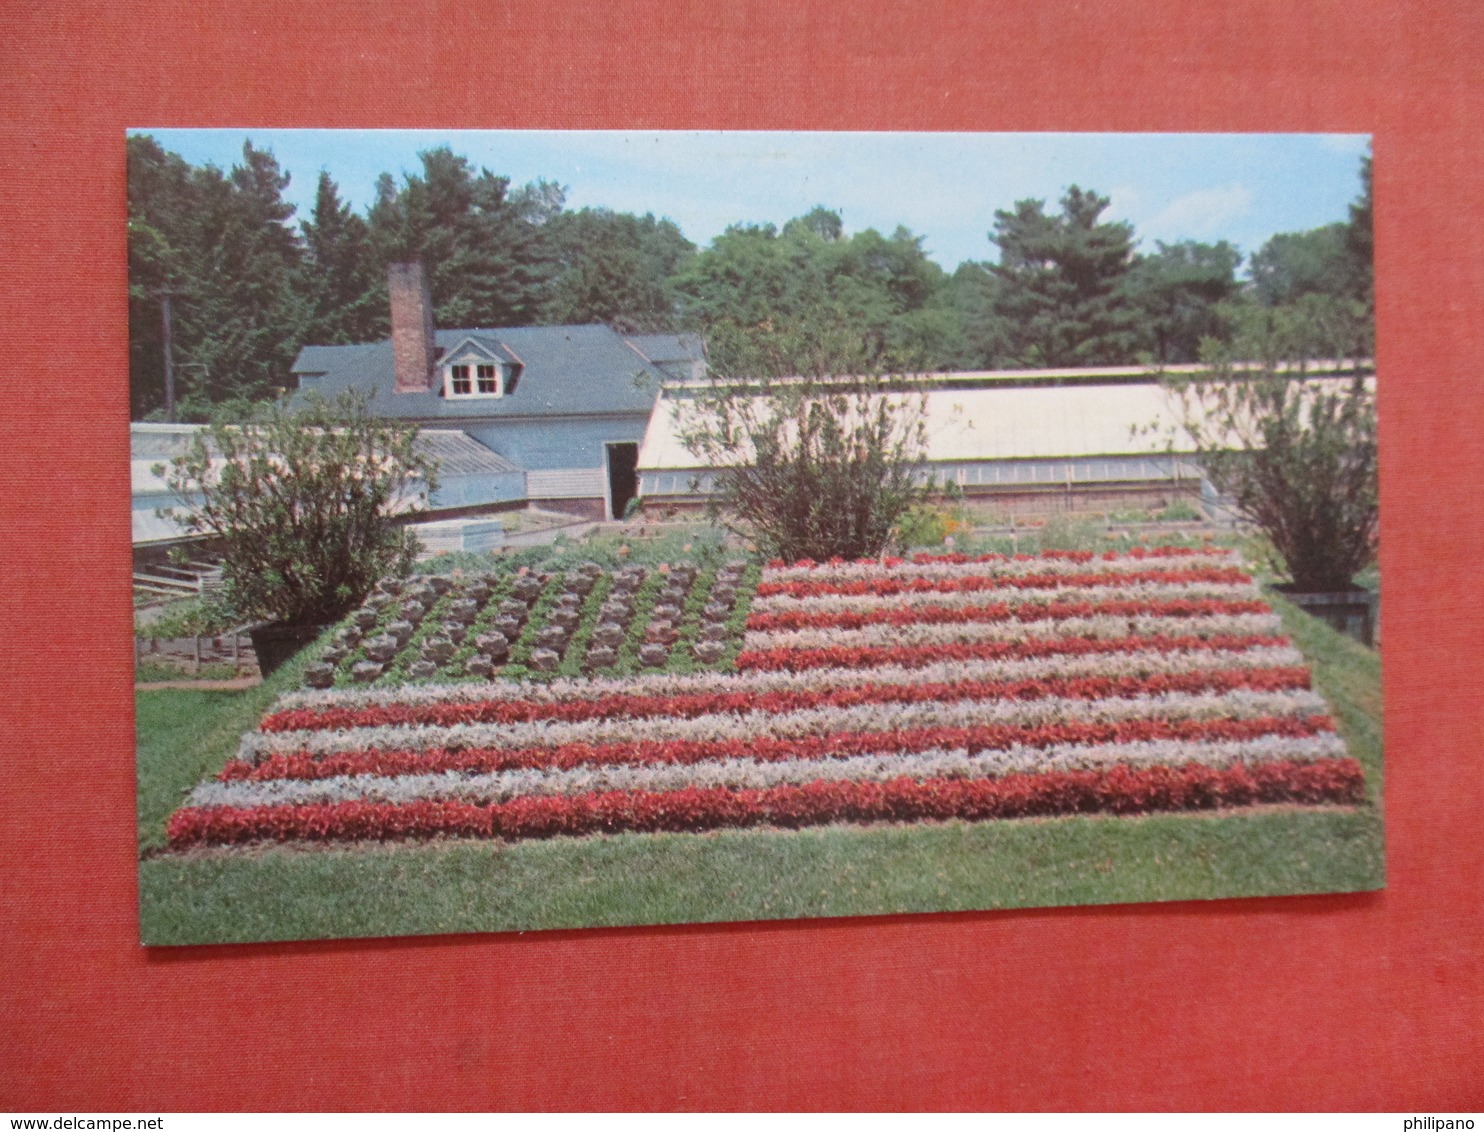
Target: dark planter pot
x,y
1352,611
275,643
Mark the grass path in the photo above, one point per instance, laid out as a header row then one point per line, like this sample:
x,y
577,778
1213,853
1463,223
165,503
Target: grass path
x,y
747,875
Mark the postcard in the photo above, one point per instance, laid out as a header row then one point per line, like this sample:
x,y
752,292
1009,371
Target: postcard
x,y
541,529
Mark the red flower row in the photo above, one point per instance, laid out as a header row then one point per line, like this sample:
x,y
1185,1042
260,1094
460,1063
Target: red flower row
x,y
924,558
843,744
886,584
977,614
809,563
918,656
1120,790
690,705
960,559
1071,555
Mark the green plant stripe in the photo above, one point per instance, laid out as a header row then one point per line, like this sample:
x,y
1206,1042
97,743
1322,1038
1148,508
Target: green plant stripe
x,y
681,658
576,652
737,623
520,652
645,600
482,623
617,667
396,671
358,654
672,649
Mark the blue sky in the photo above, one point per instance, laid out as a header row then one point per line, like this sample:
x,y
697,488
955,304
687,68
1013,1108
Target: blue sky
x,y
944,187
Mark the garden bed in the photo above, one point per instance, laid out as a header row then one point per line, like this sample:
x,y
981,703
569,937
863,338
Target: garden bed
x,y
280,890
690,698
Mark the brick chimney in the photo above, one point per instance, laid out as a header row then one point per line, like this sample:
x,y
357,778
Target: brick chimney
x,y
413,342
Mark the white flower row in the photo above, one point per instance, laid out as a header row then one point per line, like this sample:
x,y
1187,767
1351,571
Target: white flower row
x,y
1215,557
742,726
750,774
814,679
1140,591
1149,662
1102,627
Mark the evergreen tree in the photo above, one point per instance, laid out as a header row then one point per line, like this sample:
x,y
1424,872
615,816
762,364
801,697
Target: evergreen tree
x,y
484,249
343,282
221,245
1065,283
248,314
974,291
1180,290
614,267
161,204
1359,243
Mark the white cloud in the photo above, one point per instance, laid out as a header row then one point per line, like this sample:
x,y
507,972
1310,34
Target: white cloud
x,y
1125,202
1201,213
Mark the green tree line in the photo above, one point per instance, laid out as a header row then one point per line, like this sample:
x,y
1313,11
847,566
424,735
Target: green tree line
x,y
249,283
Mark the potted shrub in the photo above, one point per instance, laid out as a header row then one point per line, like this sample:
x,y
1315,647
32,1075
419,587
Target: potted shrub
x,y
817,447
303,504
1296,455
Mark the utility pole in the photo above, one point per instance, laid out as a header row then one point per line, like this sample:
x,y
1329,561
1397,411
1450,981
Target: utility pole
x,y
165,293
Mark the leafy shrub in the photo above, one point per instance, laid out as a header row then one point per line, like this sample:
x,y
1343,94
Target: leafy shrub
x,y
818,449
1182,510
301,503
192,617
929,526
1295,455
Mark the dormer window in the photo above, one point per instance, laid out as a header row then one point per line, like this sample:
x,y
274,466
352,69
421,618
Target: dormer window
x,y
473,379
478,367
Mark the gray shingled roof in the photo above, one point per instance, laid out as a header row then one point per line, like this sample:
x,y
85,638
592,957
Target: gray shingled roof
x,y
661,348
459,454
567,370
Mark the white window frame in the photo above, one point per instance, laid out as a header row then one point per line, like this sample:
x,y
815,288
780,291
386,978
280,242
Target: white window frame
x,y
472,364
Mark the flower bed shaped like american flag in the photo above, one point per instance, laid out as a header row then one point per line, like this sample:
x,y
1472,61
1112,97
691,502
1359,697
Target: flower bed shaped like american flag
x,y
934,688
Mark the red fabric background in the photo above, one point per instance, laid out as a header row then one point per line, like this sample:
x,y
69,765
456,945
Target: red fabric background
x,y
1367,1002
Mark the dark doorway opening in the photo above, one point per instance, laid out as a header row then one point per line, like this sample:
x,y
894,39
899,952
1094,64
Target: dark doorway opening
x,y
623,476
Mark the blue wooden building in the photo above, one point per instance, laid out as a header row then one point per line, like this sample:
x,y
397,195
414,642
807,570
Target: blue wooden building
x,y
563,408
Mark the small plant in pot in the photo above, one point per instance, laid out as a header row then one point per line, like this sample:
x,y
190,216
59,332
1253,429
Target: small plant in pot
x,y
303,503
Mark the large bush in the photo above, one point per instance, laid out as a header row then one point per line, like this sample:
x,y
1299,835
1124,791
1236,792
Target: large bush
x,y
1295,454
302,504
817,447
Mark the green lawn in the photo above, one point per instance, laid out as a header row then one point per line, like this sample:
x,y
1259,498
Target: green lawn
x,y
278,893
